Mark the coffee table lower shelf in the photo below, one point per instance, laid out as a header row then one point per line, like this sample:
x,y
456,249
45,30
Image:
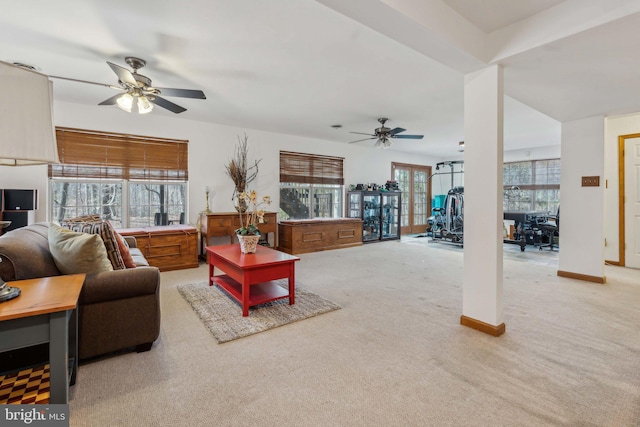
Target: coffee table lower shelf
x,y
259,293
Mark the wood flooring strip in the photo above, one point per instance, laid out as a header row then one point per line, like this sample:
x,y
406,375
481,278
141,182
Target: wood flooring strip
x,y
492,330
588,278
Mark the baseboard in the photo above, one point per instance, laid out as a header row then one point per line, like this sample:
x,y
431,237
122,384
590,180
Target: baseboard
x,y
608,262
492,330
586,277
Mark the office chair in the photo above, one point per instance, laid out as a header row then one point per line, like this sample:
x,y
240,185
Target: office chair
x,y
550,230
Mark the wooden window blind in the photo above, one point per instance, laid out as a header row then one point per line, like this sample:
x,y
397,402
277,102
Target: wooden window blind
x,y
104,155
310,168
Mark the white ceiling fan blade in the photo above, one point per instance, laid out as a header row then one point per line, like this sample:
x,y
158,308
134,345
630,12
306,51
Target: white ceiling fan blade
x,y
123,74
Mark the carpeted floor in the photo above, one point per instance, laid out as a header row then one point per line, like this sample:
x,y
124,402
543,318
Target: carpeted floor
x,y
222,316
395,354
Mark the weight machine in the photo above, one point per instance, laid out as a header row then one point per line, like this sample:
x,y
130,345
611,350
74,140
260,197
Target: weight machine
x,y
447,223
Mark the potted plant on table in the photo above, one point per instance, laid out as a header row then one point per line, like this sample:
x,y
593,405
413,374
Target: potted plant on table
x,y
248,233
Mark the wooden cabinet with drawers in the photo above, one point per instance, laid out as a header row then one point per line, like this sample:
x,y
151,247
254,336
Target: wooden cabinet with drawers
x,y
170,247
224,224
312,235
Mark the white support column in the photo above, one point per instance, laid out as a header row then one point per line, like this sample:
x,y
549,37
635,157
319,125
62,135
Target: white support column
x,y
582,214
482,304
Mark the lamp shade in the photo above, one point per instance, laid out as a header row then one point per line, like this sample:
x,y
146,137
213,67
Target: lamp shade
x,y
27,134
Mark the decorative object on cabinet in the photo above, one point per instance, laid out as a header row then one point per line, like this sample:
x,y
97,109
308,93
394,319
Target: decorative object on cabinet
x,y
207,191
379,211
392,186
240,172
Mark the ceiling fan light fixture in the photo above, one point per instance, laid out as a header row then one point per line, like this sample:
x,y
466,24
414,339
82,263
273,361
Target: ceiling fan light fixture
x,y
378,143
125,102
144,106
386,144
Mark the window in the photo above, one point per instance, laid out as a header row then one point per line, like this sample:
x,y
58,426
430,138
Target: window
x,y
311,186
131,180
76,198
532,186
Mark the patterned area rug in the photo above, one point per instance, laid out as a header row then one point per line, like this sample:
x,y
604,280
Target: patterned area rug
x,y
27,386
223,315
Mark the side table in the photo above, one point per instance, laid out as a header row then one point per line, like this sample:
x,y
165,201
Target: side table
x,y
44,312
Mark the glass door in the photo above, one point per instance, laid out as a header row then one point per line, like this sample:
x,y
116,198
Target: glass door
x,y
390,216
414,183
421,200
354,205
371,217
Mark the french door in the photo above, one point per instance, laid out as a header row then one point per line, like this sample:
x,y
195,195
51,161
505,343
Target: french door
x,y
413,181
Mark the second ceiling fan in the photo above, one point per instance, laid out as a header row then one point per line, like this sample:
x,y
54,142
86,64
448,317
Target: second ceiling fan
x,y
384,134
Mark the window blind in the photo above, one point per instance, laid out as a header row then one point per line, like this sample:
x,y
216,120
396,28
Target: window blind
x,y
310,168
104,155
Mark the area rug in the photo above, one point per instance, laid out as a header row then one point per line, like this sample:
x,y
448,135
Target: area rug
x,y
30,385
222,316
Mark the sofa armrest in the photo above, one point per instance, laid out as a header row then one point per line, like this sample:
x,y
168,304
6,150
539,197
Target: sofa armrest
x,y
120,284
131,241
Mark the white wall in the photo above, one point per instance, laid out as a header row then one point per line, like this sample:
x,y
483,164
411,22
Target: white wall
x,y
210,147
582,211
536,153
614,127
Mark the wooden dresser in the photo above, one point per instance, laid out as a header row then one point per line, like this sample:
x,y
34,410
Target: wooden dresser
x,y
168,247
221,224
312,235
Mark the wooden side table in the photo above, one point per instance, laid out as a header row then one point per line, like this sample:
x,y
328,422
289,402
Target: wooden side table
x,y
44,312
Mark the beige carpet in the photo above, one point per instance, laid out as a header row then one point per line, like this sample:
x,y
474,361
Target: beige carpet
x,y
395,354
222,316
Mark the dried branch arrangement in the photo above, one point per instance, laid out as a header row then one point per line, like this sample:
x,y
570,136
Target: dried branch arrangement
x,y
238,167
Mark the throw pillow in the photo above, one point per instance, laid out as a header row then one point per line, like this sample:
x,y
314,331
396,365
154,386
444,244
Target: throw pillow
x,y
75,252
124,251
108,234
84,218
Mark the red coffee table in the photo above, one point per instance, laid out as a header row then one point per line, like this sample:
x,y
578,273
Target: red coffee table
x,y
251,278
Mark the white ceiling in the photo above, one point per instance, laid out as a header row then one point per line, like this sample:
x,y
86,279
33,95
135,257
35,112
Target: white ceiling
x,y
491,15
300,66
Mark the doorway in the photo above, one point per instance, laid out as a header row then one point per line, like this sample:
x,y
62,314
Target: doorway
x,y
629,212
413,181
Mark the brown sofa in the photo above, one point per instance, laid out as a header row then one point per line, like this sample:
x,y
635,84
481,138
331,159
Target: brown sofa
x,y
117,309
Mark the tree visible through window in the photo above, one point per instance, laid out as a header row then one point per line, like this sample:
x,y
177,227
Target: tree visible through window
x,y
532,186
130,180
311,186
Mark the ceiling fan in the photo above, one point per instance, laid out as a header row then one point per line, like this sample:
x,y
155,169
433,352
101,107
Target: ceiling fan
x,y
139,95
384,135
